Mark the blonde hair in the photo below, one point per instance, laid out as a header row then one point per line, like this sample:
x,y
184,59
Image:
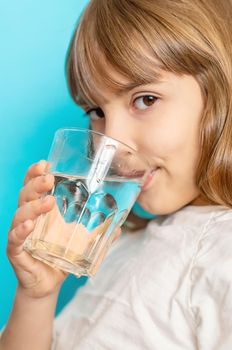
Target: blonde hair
x,y
137,38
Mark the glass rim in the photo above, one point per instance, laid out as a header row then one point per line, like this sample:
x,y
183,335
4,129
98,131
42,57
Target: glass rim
x,y
140,155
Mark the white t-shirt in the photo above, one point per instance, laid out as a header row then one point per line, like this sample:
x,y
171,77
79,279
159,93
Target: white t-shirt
x,y
168,287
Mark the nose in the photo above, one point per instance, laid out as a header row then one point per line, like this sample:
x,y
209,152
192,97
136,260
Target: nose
x,y
120,128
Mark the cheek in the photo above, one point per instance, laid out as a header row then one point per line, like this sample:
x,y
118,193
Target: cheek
x,y
172,131
98,125
164,141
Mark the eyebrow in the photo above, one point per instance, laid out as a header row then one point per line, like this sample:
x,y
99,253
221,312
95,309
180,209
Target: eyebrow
x,y
125,88
128,87
133,85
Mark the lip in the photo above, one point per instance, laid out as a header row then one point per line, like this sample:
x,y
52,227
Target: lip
x,y
140,173
133,174
149,179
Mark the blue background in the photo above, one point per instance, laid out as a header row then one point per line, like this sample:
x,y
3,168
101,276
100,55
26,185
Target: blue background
x,y
34,102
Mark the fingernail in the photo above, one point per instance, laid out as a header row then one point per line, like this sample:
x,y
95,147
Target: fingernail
x,y
42,163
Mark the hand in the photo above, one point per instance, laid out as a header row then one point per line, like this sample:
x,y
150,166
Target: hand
x,y
34,277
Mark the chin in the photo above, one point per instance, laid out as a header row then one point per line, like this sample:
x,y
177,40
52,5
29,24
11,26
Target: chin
x,y
160,207
150,206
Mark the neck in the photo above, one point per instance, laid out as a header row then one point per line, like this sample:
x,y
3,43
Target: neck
x,y
200,200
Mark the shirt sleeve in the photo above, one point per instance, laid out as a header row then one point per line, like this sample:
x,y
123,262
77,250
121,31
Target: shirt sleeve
x,y
210,294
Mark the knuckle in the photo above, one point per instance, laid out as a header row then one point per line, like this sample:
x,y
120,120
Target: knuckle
x,y
32,166
33,183
10,237
17,214
30,169
8,251
44,183
45,179
28,188
27,175
10,246
33,170
21,193
36,207
41,180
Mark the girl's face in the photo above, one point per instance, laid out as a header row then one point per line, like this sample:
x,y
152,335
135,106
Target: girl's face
x,y
160,120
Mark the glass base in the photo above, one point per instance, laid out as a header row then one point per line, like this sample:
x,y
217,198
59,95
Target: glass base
x,y
56,257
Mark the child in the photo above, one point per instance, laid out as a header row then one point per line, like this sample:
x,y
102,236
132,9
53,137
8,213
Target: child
x,y
156,74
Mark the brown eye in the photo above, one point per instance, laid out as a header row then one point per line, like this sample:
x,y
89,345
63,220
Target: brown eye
x,y
96,113
143,102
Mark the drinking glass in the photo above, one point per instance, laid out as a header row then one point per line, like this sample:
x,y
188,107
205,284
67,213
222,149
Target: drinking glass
x,y
97,181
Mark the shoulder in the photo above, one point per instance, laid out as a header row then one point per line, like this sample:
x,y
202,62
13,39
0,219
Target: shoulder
x,y
210,284
215,244
210,272
212,256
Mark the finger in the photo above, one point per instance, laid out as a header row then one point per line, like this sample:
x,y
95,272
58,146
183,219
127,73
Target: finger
x,y
118,234
35,188
32,210
17,252
17,237
36,169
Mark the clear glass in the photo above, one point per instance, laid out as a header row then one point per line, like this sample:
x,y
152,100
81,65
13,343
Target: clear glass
x,y
97,181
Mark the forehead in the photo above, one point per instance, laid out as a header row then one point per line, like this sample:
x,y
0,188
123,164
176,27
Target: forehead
x,y
96,69
136,50
168,82
100,84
